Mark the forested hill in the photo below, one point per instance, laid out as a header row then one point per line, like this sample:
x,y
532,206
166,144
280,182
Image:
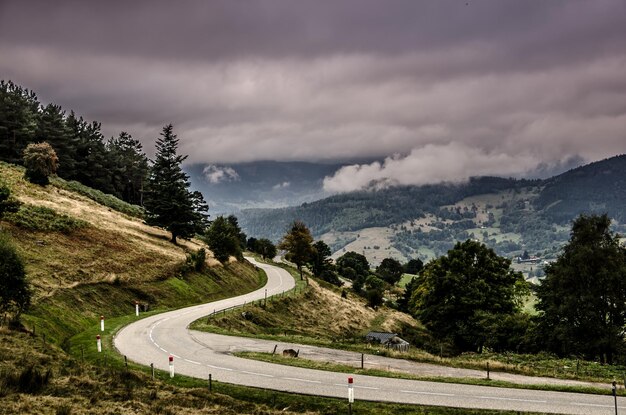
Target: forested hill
x,y
508,214
597,187
364,209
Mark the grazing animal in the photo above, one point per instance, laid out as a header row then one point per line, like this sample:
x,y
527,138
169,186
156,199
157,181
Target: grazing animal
x,y
291,353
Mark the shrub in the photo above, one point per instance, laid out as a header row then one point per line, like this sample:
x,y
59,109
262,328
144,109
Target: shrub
x,y
41,162
14,291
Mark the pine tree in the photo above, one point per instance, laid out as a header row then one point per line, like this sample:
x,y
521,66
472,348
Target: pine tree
x,y
168,201
19,114
130,167
53,129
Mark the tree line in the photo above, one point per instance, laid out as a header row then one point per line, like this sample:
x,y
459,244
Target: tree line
x,y
117,166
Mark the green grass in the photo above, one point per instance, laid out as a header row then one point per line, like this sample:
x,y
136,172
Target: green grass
x,y
43,219
406,278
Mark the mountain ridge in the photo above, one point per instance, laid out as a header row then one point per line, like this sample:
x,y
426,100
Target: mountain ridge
x,y
534,210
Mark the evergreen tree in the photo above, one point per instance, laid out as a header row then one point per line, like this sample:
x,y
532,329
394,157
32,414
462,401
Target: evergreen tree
x,y
321,264
320,258
298,244
168,202
92,165
53,129
583,296
130,167
19,113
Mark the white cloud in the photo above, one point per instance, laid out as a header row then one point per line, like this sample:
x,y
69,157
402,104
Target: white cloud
x,y
216,174
282,185
451,162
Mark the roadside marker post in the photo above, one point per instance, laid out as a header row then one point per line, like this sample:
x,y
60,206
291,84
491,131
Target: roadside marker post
x,y
99,343
350,394
614,388
171,366
101,323
137,308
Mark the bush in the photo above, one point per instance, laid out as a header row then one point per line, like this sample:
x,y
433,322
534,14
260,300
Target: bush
x,y
41,162
7,203
14,291
39,218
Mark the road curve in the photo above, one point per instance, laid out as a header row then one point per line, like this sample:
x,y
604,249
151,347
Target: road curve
x,y
154,339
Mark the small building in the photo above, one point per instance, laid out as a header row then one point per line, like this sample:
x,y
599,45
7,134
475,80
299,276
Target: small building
x,y
388,340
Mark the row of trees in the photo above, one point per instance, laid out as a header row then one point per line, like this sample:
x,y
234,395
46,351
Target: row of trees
x,y
116,166
301,249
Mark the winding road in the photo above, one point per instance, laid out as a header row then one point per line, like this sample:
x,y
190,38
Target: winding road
x,y
154,339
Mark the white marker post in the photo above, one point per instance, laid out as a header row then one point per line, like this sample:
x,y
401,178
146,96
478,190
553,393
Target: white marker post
x,y
350,395
101,323
99,343
137,308
171,366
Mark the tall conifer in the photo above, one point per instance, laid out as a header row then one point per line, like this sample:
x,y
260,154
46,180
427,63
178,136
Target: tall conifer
x,y
168,201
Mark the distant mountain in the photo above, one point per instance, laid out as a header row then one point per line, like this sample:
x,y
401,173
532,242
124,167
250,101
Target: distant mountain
x,y
511,215
262,184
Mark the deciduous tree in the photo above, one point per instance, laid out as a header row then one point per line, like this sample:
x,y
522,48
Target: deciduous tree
x,y
298,244
223,239
582,299
460,295
390,270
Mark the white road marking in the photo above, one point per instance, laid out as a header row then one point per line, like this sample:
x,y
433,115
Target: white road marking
x,y
592,404
429,393
365,387
511,399
257,374
220,368
303,380
191,361
178,357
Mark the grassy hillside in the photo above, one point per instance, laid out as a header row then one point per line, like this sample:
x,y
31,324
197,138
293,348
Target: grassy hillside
x,y
84,259
319,316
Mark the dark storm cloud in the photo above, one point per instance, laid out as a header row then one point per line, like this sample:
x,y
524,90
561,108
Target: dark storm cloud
x,y
440,89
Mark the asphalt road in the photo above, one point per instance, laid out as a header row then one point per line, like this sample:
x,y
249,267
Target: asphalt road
x,y
154,339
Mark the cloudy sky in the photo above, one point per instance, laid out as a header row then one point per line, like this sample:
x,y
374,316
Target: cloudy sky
x,y
436,90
